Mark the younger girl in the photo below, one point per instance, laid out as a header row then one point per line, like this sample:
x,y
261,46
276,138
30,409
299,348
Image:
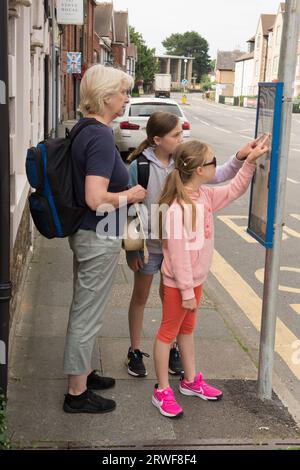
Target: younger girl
x,y
186,263
164,134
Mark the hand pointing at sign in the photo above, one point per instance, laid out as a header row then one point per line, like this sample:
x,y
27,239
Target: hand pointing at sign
x,y
262,147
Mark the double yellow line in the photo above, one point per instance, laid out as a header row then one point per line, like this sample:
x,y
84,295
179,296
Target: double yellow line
x,y
249,302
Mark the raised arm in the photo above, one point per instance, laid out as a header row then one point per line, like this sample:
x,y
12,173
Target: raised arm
x,y
224,195
229,169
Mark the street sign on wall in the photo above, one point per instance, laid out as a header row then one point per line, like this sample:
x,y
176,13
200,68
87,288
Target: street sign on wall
x,y
264,184
73,62
70,12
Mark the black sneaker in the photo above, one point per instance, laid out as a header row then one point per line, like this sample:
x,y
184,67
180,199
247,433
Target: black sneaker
x,y
96,382
135,364
88,402
175,364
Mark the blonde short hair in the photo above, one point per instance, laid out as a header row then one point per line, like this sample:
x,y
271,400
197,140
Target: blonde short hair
x,y
98,84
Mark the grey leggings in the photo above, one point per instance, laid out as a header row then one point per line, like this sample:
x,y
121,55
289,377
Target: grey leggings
x,y
95,262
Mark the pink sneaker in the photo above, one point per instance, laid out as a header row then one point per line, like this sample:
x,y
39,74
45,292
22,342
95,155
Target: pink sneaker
x,y
166,403
199,388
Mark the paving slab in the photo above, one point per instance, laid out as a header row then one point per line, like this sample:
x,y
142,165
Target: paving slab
x,y
42,321
42,420
239,416
215,358
41,358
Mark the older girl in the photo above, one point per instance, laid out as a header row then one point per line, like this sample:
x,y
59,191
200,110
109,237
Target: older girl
x,y
164,134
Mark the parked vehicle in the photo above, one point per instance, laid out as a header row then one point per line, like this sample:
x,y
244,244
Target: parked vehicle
x,y
162,85
130,129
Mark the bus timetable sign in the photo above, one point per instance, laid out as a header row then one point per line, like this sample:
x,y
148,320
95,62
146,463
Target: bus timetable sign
x,y
264,184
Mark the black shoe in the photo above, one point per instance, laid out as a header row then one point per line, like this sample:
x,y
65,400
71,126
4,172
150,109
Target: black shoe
x,y
96,382
88,402
135,364
175,364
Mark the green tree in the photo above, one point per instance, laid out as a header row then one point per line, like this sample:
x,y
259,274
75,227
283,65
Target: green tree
x,y
190,44
146,65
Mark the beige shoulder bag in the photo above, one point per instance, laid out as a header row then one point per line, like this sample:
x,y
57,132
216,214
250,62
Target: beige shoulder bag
x,y
134,238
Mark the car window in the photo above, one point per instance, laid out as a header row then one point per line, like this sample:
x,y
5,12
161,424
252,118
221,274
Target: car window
x,y
146,109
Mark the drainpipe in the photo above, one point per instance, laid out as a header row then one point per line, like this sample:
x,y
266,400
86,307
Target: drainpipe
x,y
5,284
54,78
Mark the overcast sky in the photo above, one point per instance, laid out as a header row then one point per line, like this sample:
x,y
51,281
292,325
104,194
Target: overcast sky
x,y
225,24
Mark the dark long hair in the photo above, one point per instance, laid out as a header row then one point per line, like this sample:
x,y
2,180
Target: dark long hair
x,y
158,125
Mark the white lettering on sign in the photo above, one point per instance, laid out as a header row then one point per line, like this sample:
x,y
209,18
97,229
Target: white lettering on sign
x,y
2,92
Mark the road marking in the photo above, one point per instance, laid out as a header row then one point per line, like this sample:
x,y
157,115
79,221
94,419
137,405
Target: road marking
x,y
222,130
241,230
293,181
251,304
206,123
296,308
238,229
195,117
260,273
240,119
244,136
295,216
295,150
246,130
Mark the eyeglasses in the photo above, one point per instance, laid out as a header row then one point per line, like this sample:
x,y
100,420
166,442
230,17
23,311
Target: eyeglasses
x,y
213,162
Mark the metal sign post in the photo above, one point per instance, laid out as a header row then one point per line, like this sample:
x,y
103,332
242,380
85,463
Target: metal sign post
x,y
287,69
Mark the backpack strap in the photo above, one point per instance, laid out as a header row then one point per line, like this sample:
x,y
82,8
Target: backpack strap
x,y
74,132
143,170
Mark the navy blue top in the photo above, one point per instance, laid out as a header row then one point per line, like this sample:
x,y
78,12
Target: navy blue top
x,y
94,153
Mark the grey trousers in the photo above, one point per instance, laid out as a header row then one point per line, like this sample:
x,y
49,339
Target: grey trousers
x,y
95,261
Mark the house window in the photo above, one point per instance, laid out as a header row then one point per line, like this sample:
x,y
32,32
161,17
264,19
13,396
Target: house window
x,y
258,42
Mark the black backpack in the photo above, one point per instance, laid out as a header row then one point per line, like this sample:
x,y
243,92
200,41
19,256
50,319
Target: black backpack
x,y
143,170
49,172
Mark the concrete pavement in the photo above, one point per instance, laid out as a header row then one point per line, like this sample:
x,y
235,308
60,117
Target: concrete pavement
x,y
37,385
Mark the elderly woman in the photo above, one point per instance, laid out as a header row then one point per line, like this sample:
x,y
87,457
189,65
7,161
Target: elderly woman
x,y
100,178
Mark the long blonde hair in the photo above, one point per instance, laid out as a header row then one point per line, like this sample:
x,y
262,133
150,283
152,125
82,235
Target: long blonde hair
x,y
159,124
188,156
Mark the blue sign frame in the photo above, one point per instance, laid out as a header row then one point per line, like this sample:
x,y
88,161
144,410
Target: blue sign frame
x,y
267,240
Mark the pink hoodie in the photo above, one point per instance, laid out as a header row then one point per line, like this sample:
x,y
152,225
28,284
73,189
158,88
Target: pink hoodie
x,y
184,268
